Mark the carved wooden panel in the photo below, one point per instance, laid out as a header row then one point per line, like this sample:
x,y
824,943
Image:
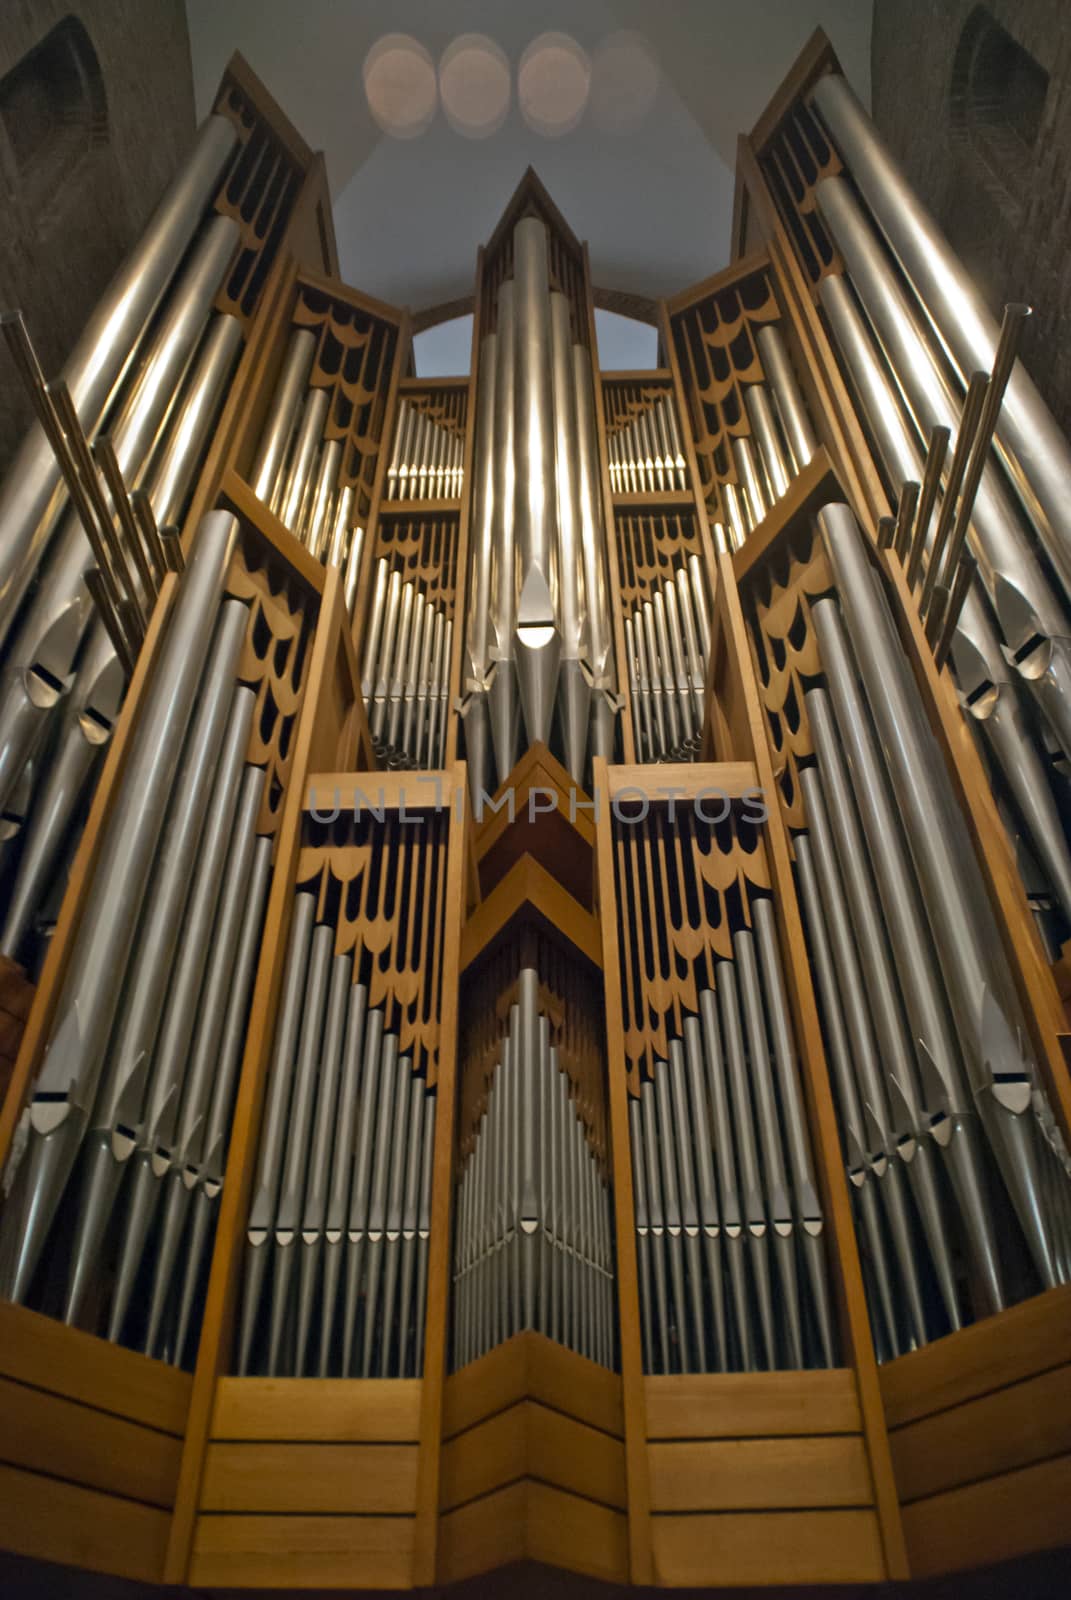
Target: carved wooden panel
x,y
777,600
683,887
259,192
274,660
650,549
715,340
355,354
566,258
793,162
380,880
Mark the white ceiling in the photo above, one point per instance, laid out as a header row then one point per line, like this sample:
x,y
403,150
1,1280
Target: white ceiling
x,y
655,203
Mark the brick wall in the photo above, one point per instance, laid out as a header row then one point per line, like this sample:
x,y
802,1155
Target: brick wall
x,y
56,259
1018,244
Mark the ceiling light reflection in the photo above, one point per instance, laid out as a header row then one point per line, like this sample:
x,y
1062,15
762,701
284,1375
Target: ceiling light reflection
x,y
400,84
624,82
553,82
474,85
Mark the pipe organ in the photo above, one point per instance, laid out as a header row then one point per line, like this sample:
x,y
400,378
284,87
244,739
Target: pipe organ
x,y
536,905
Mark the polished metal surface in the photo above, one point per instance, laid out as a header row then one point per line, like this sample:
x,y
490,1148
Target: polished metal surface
x,y
992,1029
30,500
777,365
537,636
267,473
88,997
1031,443
503,701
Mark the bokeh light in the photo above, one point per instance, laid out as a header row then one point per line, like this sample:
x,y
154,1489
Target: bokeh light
x,y
400,84
553,83
625,76
474,85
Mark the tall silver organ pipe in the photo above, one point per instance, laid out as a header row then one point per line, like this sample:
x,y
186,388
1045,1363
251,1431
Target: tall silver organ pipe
x,y
537,634
86,1006
92,704
574,685
478,621
1032,617
1005,1085
274,441
538,563
1030,441
43,649
990,695
30,498
593,550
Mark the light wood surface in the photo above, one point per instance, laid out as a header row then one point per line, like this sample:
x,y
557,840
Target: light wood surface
x,y
329,1410
992,1521
753,1474
437,1309
530,1441
685,781
299,1552
66,1440
740,1405
528,887
634,1421
221,1301
566,1531
530,1366
535,1522
51,1520
310,1478
982,1438
768,1547
48,1355
1024,1340
487,1533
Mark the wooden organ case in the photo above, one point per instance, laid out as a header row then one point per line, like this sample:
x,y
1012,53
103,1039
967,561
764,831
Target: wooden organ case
x,y
569,1178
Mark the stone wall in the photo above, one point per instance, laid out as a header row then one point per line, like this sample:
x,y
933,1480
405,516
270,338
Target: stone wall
x,y
990,157
90,135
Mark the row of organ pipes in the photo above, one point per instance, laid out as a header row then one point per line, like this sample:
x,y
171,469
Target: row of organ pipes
x,y
782,441
538,642
730,1232
125,1139
90,509
297,470
944,1116
428,458
646,455
532,1240
336,1245
405,671
946,1123
667,646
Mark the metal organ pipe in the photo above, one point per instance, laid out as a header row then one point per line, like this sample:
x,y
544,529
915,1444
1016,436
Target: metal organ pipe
x,y
1032,445
29,501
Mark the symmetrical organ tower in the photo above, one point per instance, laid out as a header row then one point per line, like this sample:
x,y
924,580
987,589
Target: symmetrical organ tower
x,y
534,904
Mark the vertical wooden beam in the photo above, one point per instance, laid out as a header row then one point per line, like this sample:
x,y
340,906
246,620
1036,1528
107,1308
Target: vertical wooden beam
x,y
464,526
390,422
215,1341
613,569
437,1308
641,1566
842,1249
684,416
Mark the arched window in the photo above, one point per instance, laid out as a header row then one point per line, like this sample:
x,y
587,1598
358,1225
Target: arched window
x,y
54,114
997,105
